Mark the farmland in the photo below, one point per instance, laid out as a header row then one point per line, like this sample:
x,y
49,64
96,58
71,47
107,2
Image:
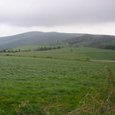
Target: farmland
x,y
57,82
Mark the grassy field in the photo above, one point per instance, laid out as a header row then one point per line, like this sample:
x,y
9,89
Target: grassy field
x,y
57,82
68,54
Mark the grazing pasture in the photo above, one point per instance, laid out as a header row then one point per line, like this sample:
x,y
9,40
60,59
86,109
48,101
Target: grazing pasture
x,y
57,82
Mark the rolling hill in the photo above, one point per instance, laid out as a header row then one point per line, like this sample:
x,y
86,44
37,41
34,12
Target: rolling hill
x,y
52,38
97,41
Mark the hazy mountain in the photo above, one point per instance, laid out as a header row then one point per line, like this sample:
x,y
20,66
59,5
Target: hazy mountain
x,y
48,38
97,41
34,38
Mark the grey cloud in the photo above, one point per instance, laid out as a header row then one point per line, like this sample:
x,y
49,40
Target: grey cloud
x,y
56,12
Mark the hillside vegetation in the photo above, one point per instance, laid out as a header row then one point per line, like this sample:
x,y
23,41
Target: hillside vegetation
x,y
60,39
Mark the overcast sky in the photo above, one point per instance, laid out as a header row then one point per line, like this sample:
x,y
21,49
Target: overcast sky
x,y
80,16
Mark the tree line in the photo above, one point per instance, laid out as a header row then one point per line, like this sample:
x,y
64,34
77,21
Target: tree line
x,y
43,48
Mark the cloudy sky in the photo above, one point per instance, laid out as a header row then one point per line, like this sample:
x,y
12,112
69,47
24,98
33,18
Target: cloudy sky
x,y
76,16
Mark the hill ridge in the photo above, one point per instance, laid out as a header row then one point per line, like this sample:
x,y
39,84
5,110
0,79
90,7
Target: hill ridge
x,y
49,38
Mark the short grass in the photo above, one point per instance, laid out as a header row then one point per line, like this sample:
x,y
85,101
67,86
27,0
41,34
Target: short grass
x,y
57,82
69,54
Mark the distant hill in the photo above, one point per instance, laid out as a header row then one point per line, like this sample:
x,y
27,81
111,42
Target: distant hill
x,y
97,41
52,38
34,38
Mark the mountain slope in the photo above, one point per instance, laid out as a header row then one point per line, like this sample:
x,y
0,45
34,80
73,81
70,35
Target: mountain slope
x,y
34,38
97,41
49,38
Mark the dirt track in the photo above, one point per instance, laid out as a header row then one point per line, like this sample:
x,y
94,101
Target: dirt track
x,y
107,61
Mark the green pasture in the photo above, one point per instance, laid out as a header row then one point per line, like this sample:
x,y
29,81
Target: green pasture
x,y
57,82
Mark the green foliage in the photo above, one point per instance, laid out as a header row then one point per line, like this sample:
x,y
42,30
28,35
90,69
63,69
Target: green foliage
x,y
57,82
